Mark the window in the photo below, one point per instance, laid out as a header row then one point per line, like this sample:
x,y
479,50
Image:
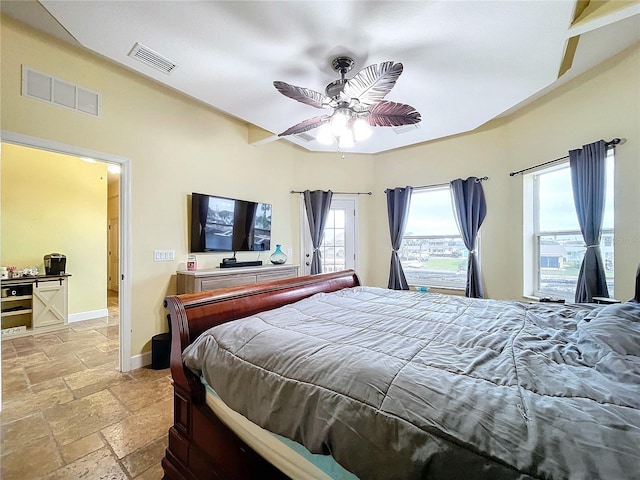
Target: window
x,y
432,251
557,242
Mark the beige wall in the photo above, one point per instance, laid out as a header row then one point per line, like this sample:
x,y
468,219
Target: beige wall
x,y
601,104
177,146
55,203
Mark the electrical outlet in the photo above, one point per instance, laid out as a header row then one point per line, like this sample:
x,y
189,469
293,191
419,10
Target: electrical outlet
x,y
164,255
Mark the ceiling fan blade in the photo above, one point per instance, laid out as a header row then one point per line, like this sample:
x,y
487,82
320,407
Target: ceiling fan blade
x,y
306,125
303,95
392,114
371,84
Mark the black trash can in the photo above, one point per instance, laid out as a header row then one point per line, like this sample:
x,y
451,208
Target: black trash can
x,y
160,351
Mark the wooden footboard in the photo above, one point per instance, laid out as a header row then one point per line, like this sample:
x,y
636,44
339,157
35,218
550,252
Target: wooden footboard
x,y
201,446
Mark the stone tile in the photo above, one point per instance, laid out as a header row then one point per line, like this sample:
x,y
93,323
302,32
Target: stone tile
x,y
147,373
34,399
139,429
88,324
89,336
95,379
78,449
45,339
154,473
36,461
138,394
16,435
145,457
110,331
53,369
8,350
112,346
93,357
7,345
35,358
99,465
9,353
30,342
73,420
13,381
25,345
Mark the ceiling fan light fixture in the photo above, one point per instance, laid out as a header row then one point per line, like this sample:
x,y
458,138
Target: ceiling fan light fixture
x,y
346,140
340,121
325,136
361,130
358,104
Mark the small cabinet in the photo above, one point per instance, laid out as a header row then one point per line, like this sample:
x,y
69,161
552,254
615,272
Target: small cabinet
x,y
32,304
49,303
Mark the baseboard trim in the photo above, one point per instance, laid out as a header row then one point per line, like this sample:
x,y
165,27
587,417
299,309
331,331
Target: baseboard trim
x,y
88,315
141,360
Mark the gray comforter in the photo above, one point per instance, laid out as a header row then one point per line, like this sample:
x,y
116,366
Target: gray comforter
x,y
403,385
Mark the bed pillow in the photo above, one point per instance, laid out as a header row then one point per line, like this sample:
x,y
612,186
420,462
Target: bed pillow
x,y
616,327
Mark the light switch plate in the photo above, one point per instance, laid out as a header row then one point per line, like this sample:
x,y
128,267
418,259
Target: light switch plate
x,y
164,255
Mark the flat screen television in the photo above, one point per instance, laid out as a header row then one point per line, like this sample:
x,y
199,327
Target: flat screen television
x,y
221,224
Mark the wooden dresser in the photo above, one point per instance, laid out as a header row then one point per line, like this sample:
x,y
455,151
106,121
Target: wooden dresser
x,y
210,279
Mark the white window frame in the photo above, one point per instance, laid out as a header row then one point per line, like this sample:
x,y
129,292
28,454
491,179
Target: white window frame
x,y
440,286
532,250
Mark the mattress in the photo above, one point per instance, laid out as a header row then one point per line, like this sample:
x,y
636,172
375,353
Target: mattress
x,y
288,456
414,385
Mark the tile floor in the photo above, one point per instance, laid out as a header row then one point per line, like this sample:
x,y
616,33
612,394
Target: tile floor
x,y
67,412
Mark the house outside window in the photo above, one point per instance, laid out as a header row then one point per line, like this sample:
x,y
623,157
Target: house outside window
x,y
432,251
557,243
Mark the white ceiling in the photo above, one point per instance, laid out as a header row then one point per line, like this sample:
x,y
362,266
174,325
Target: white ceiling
x,y
465,62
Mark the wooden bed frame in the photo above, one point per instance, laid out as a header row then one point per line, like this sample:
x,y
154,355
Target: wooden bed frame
x,y
200,445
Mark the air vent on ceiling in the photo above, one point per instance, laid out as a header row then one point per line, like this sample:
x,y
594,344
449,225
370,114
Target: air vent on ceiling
x,y
153,59
305,137
50,89
406,128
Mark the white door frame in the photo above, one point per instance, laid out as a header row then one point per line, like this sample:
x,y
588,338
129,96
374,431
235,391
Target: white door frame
x,y
125,223
305,235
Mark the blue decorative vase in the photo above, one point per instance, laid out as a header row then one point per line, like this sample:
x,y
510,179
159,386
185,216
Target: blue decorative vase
x,y
278,257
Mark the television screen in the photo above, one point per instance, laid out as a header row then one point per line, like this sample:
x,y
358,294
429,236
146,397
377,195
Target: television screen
x,y
220,224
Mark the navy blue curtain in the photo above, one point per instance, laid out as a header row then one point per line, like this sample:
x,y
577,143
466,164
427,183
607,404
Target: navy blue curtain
x,y
470,208
588,170
317,204
398,201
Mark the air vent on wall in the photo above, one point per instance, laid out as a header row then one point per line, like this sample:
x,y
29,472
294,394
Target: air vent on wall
x,y
47,88
153,59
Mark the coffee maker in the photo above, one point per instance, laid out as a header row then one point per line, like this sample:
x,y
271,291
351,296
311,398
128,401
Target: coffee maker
x,y
55,264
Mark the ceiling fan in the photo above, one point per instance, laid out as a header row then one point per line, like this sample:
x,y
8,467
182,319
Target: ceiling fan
x,y
357,103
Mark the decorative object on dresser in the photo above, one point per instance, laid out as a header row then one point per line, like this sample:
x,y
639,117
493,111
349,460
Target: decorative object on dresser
x,y
278,257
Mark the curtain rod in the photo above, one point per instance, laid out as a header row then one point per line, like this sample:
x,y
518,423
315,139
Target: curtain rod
x,y
478,180
611,144
339,193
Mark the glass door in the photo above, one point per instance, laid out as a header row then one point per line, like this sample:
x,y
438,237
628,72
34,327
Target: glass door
x,y
337,250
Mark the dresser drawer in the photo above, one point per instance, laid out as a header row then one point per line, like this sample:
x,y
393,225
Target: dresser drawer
x,y
228,281
214,278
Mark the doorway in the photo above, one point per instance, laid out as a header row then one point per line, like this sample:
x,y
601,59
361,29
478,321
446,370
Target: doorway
x,y
123,232
337,250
